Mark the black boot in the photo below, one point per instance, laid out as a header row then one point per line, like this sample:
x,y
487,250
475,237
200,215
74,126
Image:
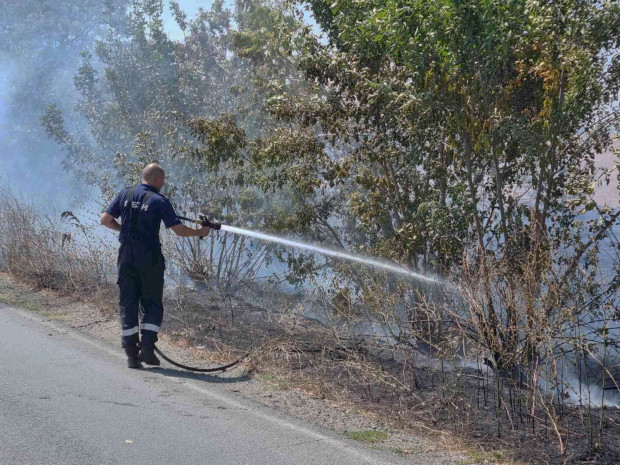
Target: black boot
x,y
133,360
147,355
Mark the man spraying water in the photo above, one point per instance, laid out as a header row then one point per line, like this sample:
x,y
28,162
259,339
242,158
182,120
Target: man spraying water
x,y
140,261
141,264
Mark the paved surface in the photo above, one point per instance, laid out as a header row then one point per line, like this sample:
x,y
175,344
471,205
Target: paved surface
x,y
65,399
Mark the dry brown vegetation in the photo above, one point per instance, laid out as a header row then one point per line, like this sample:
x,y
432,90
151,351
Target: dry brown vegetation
x,y
54,252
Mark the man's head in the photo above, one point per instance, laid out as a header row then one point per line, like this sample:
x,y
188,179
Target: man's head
x,y
154,175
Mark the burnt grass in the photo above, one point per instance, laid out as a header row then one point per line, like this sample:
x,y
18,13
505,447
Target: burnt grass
x,y
401,391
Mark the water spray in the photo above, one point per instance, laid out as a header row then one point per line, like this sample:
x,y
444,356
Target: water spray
x,y
203,221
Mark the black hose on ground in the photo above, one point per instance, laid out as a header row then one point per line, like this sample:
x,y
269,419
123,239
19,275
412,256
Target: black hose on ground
x,y
201,370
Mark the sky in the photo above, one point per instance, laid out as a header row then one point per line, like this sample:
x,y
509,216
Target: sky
x,y
191,8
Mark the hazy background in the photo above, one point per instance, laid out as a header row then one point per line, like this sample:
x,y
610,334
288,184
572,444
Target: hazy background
x,y
40,46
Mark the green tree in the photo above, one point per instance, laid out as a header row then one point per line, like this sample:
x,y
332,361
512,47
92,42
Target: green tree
x,y
454,127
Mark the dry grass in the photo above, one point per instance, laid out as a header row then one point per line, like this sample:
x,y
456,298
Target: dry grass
x,y
54,252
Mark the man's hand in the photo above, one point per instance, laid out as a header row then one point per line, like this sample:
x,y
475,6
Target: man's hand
x,y
183,231
110,222
204,231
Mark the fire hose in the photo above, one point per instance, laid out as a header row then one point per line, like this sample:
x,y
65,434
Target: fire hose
x,y
202,370
203,221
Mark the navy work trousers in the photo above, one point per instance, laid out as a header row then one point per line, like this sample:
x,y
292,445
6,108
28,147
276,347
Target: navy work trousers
x,y
140,283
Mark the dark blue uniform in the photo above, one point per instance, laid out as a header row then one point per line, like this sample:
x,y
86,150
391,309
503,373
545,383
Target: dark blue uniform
x,y
140,261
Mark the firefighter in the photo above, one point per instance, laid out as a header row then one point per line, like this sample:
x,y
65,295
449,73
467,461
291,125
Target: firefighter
x,y
140,261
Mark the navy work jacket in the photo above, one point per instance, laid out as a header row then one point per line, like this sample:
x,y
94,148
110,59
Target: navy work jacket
x,y
148,216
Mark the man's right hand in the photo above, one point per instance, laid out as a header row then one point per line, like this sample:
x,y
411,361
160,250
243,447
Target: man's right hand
x,y
183,231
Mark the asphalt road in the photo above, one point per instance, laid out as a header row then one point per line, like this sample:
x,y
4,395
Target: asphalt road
x,y
66,399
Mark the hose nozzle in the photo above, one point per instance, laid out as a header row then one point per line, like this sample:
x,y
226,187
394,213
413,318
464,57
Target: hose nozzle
x,y
204,221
